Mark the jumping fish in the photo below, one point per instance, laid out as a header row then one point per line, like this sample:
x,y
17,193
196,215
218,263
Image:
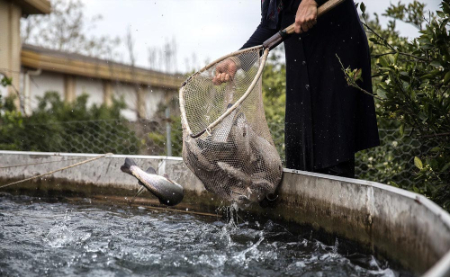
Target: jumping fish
x,y
168,192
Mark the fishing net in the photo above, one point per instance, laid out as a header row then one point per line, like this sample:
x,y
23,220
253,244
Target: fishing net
x,y
226,140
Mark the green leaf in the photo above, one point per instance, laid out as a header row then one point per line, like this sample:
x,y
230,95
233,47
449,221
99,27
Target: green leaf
x,y
402,129
447,78
381,93
418,163
447,166
435,149
6,81
446,7
394,184
435,63
363,7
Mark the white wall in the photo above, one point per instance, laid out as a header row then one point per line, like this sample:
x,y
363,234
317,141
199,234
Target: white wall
x,y
129,96
153,98
3,91
93,87
46,81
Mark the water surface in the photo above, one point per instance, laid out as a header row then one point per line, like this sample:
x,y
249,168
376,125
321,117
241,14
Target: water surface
x,y
39,238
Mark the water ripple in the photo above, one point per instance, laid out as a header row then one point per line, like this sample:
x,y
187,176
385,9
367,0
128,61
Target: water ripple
x,y
60,239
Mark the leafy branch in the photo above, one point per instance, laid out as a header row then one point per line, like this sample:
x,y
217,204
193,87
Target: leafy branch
x,y
353,76
387,44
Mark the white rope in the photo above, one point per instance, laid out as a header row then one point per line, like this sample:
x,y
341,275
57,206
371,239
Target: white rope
x,y
57,170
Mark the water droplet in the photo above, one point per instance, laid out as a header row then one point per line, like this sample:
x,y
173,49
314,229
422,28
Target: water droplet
x,y
304,62
307,86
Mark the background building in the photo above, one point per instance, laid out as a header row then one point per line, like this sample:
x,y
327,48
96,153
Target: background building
x,y
36,70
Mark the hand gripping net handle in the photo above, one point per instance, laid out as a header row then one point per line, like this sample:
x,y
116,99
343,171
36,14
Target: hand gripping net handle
x,y
267,45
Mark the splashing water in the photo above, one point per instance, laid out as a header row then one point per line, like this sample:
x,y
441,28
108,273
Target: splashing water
x,y
60,239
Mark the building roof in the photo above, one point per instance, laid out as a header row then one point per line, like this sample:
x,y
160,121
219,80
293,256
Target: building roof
x,y
81,65
34,6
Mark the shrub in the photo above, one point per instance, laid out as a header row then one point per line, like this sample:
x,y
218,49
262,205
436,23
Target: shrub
x,y
56,126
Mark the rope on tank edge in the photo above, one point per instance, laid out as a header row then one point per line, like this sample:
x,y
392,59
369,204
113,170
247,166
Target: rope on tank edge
x,y
57,170
27,164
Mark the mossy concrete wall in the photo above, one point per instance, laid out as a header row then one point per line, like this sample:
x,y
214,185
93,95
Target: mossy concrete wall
x,y
400,225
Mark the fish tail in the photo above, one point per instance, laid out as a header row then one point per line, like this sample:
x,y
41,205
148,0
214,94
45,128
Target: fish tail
x,y
127,165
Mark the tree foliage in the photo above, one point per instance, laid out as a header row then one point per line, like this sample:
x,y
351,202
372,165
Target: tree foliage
x,y
65,29
274,87
412,82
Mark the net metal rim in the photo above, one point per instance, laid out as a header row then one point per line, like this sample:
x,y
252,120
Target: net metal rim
x,y
236,104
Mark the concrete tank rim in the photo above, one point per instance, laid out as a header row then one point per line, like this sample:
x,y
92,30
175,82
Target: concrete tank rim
x,y
436,209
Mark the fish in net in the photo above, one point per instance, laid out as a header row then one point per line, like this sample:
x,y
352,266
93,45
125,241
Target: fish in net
x,y
226,139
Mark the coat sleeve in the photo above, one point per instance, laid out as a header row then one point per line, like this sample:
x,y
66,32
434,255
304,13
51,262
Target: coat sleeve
x,y
259,36
265,30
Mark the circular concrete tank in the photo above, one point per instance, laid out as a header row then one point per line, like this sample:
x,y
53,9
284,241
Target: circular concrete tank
x,y
401,225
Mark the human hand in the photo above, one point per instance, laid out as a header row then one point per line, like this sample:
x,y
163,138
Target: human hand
x,y
306,16
225,71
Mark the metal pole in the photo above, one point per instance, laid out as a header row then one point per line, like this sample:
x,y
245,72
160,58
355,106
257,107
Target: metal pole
x,y
168,133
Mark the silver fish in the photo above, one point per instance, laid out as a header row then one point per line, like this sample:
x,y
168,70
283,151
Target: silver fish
x,y
168,192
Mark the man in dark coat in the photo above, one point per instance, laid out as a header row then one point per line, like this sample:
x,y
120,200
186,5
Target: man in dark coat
x,y
326,121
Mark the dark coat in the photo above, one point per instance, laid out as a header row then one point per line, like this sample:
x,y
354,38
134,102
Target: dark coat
x,y
326,121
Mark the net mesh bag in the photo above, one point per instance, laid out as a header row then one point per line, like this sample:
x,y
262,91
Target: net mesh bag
x,y
226,139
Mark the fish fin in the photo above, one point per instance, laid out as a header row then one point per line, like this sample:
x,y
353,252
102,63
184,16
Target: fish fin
x,y
142,184
168,178
126,166
151,170
141,189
